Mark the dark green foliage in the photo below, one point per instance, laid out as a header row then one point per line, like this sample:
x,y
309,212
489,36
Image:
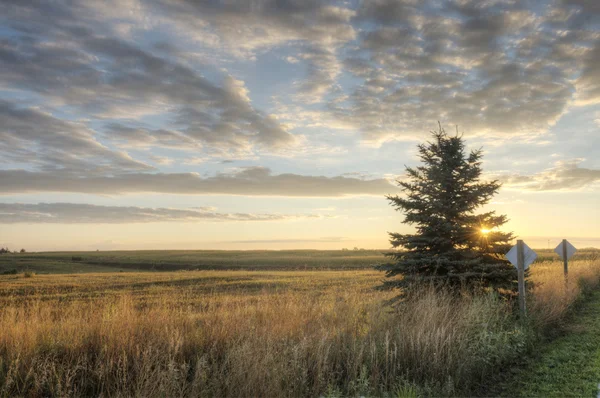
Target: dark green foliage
x,y
10,272
440,199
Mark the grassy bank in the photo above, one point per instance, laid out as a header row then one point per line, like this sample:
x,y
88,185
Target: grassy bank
x,y
262,333
569,366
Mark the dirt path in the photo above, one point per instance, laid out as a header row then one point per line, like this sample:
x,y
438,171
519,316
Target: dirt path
x,y
570,365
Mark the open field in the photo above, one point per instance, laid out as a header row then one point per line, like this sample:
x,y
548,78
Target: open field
x,y
262,333
173,260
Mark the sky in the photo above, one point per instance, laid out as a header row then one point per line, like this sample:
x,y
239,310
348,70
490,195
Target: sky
x,y
280,124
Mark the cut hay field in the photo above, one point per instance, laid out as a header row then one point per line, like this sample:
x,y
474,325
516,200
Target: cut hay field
x,y
173,260
193,260
262,332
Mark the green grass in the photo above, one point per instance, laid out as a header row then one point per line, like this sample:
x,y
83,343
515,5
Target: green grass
x,y
566,367
174,260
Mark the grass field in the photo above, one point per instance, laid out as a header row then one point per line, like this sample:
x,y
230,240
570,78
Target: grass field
x,y
115,261
72,262
310,332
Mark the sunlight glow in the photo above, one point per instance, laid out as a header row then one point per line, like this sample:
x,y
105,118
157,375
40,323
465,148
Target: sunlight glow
x,y
485,231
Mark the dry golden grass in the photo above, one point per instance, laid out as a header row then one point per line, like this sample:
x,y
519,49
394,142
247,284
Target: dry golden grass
x,y
552,297
261,333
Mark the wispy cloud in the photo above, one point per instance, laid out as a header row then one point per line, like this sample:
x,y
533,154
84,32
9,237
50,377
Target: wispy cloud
x,y
330,239
76,213
253,181
564,176
32,137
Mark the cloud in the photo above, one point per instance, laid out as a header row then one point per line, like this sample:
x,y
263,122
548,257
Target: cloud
x,y
108,78
497,68
588,84
140,137
216,29
327,239
245,28
99,72
162,160
36,138
323,70
253,181
75,213
564,176
315,29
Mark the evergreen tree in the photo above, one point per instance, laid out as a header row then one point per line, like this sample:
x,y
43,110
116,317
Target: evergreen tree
x,y
452,245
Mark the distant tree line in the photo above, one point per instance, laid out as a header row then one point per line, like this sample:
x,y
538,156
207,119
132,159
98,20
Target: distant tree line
x,y
6,250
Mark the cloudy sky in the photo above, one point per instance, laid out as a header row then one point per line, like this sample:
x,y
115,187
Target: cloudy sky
x,y
134,124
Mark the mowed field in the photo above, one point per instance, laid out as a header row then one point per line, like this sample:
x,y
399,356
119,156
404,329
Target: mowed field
x,y
314,330
193,260
173,260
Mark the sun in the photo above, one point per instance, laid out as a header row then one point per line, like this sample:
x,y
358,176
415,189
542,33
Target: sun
x,y
485,231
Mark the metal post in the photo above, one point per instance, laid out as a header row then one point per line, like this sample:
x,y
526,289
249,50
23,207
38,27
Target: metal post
x,y
565,262
564,255
521,273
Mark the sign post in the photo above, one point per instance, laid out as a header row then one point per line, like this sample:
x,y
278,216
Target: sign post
x,y
521,271
565,250
521,256
565,258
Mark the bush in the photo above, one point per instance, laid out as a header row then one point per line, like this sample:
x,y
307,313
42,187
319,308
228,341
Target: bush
x,y
28,274
10,272
77,258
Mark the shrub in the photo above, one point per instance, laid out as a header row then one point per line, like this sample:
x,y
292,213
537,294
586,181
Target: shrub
x,y
11,272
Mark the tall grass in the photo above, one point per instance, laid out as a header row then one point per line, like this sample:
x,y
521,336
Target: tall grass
x,y
553,296
262,334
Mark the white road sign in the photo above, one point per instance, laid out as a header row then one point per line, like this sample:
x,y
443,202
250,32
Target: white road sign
x,y
529,255
570,250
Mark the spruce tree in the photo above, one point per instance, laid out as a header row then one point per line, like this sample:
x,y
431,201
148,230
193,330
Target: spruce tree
x,y
452,246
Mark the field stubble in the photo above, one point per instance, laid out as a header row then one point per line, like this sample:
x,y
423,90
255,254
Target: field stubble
x,y
262,333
